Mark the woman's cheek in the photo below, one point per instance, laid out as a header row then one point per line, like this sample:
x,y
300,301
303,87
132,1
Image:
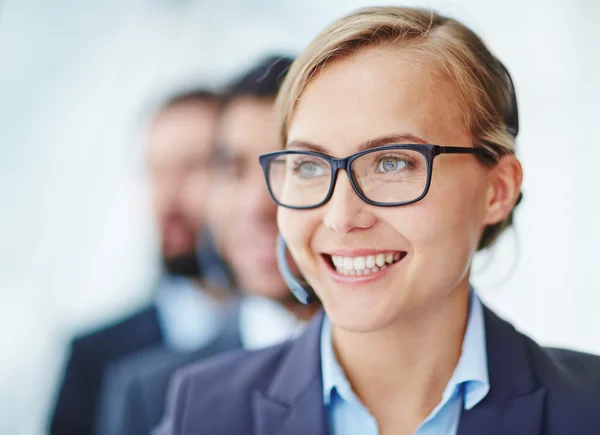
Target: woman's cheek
x,y
297,229
291,229
441,233
285,224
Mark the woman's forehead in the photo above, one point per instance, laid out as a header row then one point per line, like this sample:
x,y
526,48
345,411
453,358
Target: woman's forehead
x,y
377,92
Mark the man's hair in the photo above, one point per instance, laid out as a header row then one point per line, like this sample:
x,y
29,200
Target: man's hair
x,y
191,96
263,80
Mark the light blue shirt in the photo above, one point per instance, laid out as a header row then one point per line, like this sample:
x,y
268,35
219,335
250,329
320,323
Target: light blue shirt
x,y
189,319
265,322
467,386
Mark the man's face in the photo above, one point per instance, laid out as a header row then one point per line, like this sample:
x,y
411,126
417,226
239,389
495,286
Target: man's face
x,y
243,216
180,142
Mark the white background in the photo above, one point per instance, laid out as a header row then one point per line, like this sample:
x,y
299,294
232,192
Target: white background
x,y
76,243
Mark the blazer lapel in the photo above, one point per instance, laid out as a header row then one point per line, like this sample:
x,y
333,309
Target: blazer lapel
x,y
293,402
514,404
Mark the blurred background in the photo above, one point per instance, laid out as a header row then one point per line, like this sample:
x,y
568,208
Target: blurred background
x,y
77,246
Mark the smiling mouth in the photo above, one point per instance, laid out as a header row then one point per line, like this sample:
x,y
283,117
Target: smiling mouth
x,y
363,265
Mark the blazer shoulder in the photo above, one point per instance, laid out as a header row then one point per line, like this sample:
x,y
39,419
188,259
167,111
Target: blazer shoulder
x,y
214,387
239,369
582,368
568,374
87,358
136,330
571,381
143,378
153,368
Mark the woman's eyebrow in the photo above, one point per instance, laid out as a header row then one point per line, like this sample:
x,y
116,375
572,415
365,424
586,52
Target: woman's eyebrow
x,y
401,138
303,145
371,143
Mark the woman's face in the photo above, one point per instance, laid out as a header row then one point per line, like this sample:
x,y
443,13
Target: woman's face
x,y
375,93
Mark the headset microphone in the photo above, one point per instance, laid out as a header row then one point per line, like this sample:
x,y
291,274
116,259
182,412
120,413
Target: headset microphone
x,y
301,289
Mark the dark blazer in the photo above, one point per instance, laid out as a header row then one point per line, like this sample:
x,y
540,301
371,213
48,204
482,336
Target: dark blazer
x,y
89,355
278,391
135,388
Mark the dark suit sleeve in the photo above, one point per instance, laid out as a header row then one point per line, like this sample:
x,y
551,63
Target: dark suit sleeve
x,y
90,354
74,409
171,423
112,414
133,420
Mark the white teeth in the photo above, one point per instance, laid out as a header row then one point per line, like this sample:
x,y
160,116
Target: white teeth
x,y
359,263
360,266
370,262
363,272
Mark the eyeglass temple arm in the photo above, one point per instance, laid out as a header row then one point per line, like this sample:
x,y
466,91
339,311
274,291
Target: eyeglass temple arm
x,y
464,150
460,150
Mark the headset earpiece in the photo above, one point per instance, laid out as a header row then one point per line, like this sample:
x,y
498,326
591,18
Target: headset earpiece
x,y
303,292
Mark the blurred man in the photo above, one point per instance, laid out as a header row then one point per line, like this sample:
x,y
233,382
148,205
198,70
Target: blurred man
x,y
243,219
184,315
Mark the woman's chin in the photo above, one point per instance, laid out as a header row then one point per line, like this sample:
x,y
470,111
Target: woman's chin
x,y
354,316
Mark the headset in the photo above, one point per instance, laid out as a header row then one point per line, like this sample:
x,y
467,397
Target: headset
x,y
300,288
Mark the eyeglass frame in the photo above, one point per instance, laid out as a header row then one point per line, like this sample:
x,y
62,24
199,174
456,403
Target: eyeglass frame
x,y
428,151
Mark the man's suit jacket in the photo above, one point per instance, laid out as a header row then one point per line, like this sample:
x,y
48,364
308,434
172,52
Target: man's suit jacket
x,y
134,389
278,391
89,355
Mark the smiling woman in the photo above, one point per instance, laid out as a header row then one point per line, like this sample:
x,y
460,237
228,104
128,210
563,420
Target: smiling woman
x,y
399,164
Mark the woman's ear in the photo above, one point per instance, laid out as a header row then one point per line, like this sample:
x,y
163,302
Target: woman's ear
x,y
504,191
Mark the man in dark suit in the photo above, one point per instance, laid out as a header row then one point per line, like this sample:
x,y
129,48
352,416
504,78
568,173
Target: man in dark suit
x,y
180,139
243,221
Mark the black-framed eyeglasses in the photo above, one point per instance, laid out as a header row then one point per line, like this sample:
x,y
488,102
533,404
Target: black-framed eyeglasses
x,y
386,176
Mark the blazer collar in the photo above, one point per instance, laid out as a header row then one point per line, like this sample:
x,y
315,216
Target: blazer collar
x,y
515,402
293,402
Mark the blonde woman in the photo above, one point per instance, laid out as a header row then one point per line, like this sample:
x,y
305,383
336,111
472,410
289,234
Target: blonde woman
x,y
399,164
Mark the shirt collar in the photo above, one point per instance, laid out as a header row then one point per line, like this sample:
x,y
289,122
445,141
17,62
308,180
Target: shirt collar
x,y
189,318
471,372
265,322
472,368
333,375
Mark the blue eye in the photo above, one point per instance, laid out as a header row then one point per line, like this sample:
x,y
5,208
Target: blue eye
x,y
308,169
391,164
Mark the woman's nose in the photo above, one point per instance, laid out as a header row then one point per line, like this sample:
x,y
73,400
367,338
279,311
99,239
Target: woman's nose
x,y
345,211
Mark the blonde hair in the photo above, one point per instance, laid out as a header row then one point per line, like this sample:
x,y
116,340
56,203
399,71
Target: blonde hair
x,y
484,89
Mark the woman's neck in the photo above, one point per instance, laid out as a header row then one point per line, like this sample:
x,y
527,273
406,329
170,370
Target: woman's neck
x,y
401,372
